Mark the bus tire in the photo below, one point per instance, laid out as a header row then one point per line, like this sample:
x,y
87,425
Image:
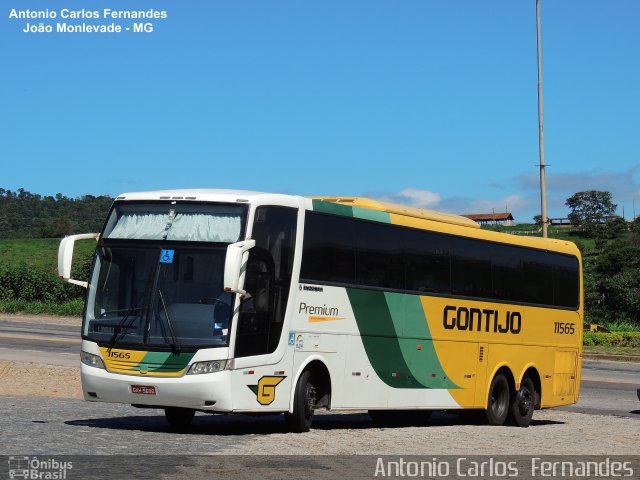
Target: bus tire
x,y
498,401
304,400
179,418
523,404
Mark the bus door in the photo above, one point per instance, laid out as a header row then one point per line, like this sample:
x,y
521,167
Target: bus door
x,y
262,376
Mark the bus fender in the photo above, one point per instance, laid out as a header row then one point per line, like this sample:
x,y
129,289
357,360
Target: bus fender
x,y
303,366
526,368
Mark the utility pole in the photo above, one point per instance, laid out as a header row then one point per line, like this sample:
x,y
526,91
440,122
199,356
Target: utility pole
x,y
543,180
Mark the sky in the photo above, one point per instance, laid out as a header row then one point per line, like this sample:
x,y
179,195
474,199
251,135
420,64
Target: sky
x,y
431,103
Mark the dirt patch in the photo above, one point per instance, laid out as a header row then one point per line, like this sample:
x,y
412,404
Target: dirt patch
x,y
30,379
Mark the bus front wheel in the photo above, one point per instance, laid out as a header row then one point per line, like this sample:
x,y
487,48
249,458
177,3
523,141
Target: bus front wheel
x,y
304,401
499,401
521,409
179,418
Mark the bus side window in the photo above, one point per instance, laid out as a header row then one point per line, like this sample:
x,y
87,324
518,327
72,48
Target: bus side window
x,y
253,321
268,281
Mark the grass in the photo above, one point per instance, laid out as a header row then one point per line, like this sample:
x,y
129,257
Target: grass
x,y
611,350
71,308
41,253
621,326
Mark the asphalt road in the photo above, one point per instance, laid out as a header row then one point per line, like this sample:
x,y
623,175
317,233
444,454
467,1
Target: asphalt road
x,y
608,387
44,343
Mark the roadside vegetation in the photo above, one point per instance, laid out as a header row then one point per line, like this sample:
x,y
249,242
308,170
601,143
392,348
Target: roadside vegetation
x,y
28,277
31,226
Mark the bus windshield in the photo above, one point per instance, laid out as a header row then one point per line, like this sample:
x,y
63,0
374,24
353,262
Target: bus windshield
x,y
157,280
158,297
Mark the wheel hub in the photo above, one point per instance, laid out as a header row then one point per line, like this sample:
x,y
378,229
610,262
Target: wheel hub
x,y
524,400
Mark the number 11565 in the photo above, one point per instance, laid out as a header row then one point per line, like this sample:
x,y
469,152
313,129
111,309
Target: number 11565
x,y
566,328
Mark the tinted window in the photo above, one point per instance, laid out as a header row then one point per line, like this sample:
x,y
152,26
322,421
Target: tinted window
x,y
537,281
351,251
379,255
329,254
566,284
268,280
426,262
507,273
471,267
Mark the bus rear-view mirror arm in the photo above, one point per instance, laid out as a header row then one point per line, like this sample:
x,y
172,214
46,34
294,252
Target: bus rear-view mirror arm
x,y
65,256
235,265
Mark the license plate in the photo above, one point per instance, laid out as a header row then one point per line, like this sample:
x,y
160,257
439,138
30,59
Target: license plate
x,y
143,389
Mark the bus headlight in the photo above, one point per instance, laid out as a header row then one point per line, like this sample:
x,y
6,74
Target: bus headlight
x,y
207,367
91,360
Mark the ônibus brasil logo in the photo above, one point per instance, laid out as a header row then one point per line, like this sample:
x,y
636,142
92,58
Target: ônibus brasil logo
x,y
40,469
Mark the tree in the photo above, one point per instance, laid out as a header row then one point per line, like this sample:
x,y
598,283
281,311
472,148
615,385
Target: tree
x,y
612,283
635,232
616,227
27,215
591,206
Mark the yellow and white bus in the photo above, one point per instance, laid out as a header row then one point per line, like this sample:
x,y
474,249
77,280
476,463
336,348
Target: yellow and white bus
x,y
244,302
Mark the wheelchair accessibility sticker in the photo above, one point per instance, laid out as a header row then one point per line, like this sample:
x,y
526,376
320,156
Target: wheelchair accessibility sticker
x,y
166,256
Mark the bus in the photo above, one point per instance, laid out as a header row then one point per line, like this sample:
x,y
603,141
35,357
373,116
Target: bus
x,y
226,301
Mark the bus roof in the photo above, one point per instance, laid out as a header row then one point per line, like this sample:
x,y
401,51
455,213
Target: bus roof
x,y
401,210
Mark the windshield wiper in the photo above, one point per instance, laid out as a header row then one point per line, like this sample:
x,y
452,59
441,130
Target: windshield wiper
x,y
175,346
120,330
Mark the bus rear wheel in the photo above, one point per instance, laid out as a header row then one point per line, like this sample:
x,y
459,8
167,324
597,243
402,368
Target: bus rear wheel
x,y
521,410
179,418
304,402
499,401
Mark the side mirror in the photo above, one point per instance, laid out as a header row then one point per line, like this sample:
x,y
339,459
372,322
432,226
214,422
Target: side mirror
x,y
65,256
235,264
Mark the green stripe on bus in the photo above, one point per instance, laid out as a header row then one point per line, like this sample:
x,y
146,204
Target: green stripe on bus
x,y
391,326
349,211
379,338
166,361
374,215
334,208
411,324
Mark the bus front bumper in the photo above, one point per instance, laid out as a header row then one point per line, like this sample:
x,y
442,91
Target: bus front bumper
x,y
209,392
